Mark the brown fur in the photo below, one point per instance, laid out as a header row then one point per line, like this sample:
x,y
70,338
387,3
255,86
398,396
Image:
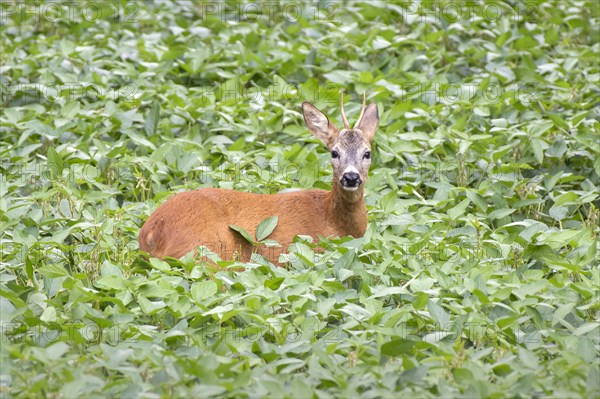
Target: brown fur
x,y
202,217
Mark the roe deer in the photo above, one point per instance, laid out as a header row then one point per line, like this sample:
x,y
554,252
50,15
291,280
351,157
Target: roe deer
x,y
202,217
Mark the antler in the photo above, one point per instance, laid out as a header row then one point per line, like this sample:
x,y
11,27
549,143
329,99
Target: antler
x,y
346,124
362,111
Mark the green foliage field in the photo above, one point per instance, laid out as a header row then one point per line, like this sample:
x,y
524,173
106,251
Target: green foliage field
x,y
478,275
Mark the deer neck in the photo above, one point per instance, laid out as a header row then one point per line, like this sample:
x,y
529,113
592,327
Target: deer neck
x,y
348,210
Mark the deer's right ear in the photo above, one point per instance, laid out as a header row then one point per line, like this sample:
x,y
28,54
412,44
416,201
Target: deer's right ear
x,y
319,125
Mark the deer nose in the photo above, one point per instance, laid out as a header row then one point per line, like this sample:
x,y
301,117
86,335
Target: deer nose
x,y
351,179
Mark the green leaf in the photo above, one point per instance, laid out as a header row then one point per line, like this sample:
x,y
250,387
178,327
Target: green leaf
x,y
539,127
151,121
111,282
500,213
70,109
438,314
586,328
397,347
463,375
380,43
203,290
219,310
127,118
557,149
270,243
266,227
525,42
49,314
478,200
55,163
558,121
340,77
243,233
53,270
12,115
421,300
459,209
160,265
566,198
274,284
507,322
150,307
593,381
538,146
558,212
57,350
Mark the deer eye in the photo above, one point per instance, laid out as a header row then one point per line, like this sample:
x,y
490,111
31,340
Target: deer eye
x,y
367,155
335,154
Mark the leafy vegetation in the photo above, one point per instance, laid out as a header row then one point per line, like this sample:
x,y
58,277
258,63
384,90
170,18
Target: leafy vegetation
x,y
478,275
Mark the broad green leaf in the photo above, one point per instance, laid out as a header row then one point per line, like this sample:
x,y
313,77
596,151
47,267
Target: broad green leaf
x,y
37,302
387,291
525,42
558,212
203,290
243,233
53,270
266,227
219,310
557,149
462,375
436,336
537,128
380,43
49,314
160,265
459,209
12,115
500,213
507,322
538,146
421,300
274,284
558,121
566,198
150,307
340,77
57,350
586,328
152,118
70,109
438,314
55,163
478,200
398,347
593,381
111,282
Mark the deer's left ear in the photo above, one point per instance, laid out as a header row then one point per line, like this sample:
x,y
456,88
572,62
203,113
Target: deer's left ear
x,y
369,122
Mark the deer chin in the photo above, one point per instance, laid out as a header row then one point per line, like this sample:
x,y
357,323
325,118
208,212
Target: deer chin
x,y
347,188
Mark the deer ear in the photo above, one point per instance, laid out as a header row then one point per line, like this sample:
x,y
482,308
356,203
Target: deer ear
x,y
319,125
369,122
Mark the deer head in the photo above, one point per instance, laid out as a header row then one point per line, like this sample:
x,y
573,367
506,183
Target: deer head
x,y
350,148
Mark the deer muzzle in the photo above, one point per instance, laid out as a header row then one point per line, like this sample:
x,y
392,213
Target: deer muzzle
x,y
351,181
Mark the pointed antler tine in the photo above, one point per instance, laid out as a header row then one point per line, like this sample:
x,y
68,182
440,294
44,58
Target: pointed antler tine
x,y
346,124
362,111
